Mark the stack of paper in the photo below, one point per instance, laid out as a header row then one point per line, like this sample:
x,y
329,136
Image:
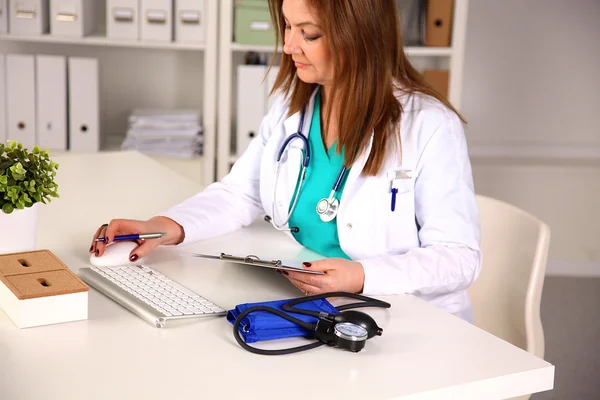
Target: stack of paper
x,y
175,133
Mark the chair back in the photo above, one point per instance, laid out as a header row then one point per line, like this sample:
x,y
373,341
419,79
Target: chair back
x,y
507,294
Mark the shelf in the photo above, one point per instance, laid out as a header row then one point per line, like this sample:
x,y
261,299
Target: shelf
x,y
428,51
411,50
268,48
98,40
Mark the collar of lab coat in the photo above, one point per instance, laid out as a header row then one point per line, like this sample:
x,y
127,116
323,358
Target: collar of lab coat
x,y
354,180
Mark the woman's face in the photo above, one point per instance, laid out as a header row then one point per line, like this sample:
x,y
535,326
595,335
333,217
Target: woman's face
x,y
305,43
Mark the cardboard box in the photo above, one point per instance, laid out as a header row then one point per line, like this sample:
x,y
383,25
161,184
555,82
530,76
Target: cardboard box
x,y
72,17
156,20
36,288
190,21
253,23
439,79
28,17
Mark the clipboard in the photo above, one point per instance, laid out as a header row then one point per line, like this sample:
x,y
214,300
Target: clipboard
x,y
257,262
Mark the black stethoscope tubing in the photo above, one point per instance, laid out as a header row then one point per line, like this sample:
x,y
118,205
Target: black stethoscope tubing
x,y
289,307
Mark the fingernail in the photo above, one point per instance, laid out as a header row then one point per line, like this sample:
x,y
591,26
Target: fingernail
x,y
91,247
307,264
133,257
97,252
285,273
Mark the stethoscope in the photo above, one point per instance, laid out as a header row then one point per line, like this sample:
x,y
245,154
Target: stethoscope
x,y
327,208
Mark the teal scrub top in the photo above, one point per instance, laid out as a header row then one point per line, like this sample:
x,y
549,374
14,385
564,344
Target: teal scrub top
x,y
321,174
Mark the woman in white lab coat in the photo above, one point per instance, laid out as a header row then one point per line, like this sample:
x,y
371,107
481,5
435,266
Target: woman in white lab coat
x,y
387,154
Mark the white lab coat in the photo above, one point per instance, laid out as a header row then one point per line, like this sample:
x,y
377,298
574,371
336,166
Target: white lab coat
x,y
429,246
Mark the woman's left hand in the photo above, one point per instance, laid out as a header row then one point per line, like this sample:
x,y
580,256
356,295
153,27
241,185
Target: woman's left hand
x,y
341,275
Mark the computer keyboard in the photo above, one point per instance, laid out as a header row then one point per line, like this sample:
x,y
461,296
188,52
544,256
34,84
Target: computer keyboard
x,y
149,294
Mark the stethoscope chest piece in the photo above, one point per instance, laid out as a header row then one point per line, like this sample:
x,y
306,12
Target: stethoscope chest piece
x,y
327,209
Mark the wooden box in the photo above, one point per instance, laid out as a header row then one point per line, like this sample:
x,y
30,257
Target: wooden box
x,y
36,288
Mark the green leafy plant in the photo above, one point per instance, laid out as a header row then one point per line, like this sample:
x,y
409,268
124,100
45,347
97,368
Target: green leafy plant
x,y
26,177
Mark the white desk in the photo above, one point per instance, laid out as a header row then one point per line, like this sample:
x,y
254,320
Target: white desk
x,y
424,353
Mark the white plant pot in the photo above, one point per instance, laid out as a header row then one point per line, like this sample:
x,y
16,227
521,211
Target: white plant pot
x,y
18,230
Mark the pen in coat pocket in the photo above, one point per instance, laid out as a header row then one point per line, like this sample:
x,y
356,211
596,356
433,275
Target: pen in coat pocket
x,y
136,236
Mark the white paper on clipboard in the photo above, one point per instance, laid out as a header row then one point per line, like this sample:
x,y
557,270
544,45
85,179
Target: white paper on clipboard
x,y
257,262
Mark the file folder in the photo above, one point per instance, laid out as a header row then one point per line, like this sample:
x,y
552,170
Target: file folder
x,y
251,103
255,261
20,99
84,124
438,20
51,74
189,21
122,19
3,125
3,16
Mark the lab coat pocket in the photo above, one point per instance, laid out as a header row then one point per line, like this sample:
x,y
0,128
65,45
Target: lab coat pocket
x,y
398,216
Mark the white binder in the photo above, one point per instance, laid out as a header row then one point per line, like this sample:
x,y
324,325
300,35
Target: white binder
x,y
270,82
28,17
3,16
51,74
251,103
3,125
156,20
189,21
122,19
84,123
20,99
72,17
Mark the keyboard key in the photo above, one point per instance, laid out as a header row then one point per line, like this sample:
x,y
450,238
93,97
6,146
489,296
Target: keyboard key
x,y
183,289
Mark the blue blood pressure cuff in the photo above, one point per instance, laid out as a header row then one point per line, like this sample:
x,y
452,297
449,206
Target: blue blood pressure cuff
x,y
263,325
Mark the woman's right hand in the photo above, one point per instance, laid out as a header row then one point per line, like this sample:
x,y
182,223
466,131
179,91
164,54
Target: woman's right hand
x,y
174,234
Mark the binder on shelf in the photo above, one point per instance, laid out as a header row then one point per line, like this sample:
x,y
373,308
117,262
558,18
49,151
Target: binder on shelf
x,y
122,19
51,78
3,16
438,23
28,17
72,17
251,100
84,123
270,82
189,21
20,99
411,13
3,125
439,79
156,20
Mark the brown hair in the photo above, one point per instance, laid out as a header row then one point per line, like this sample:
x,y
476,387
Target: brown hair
x,y
368,54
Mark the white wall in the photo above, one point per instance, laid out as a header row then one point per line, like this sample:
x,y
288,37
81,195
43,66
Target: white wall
x,y
532,95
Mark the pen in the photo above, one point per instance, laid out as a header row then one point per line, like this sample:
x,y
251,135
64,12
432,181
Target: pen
x,y
135,236
394,191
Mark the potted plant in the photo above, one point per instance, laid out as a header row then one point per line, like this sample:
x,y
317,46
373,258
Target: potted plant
x,y
26,179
